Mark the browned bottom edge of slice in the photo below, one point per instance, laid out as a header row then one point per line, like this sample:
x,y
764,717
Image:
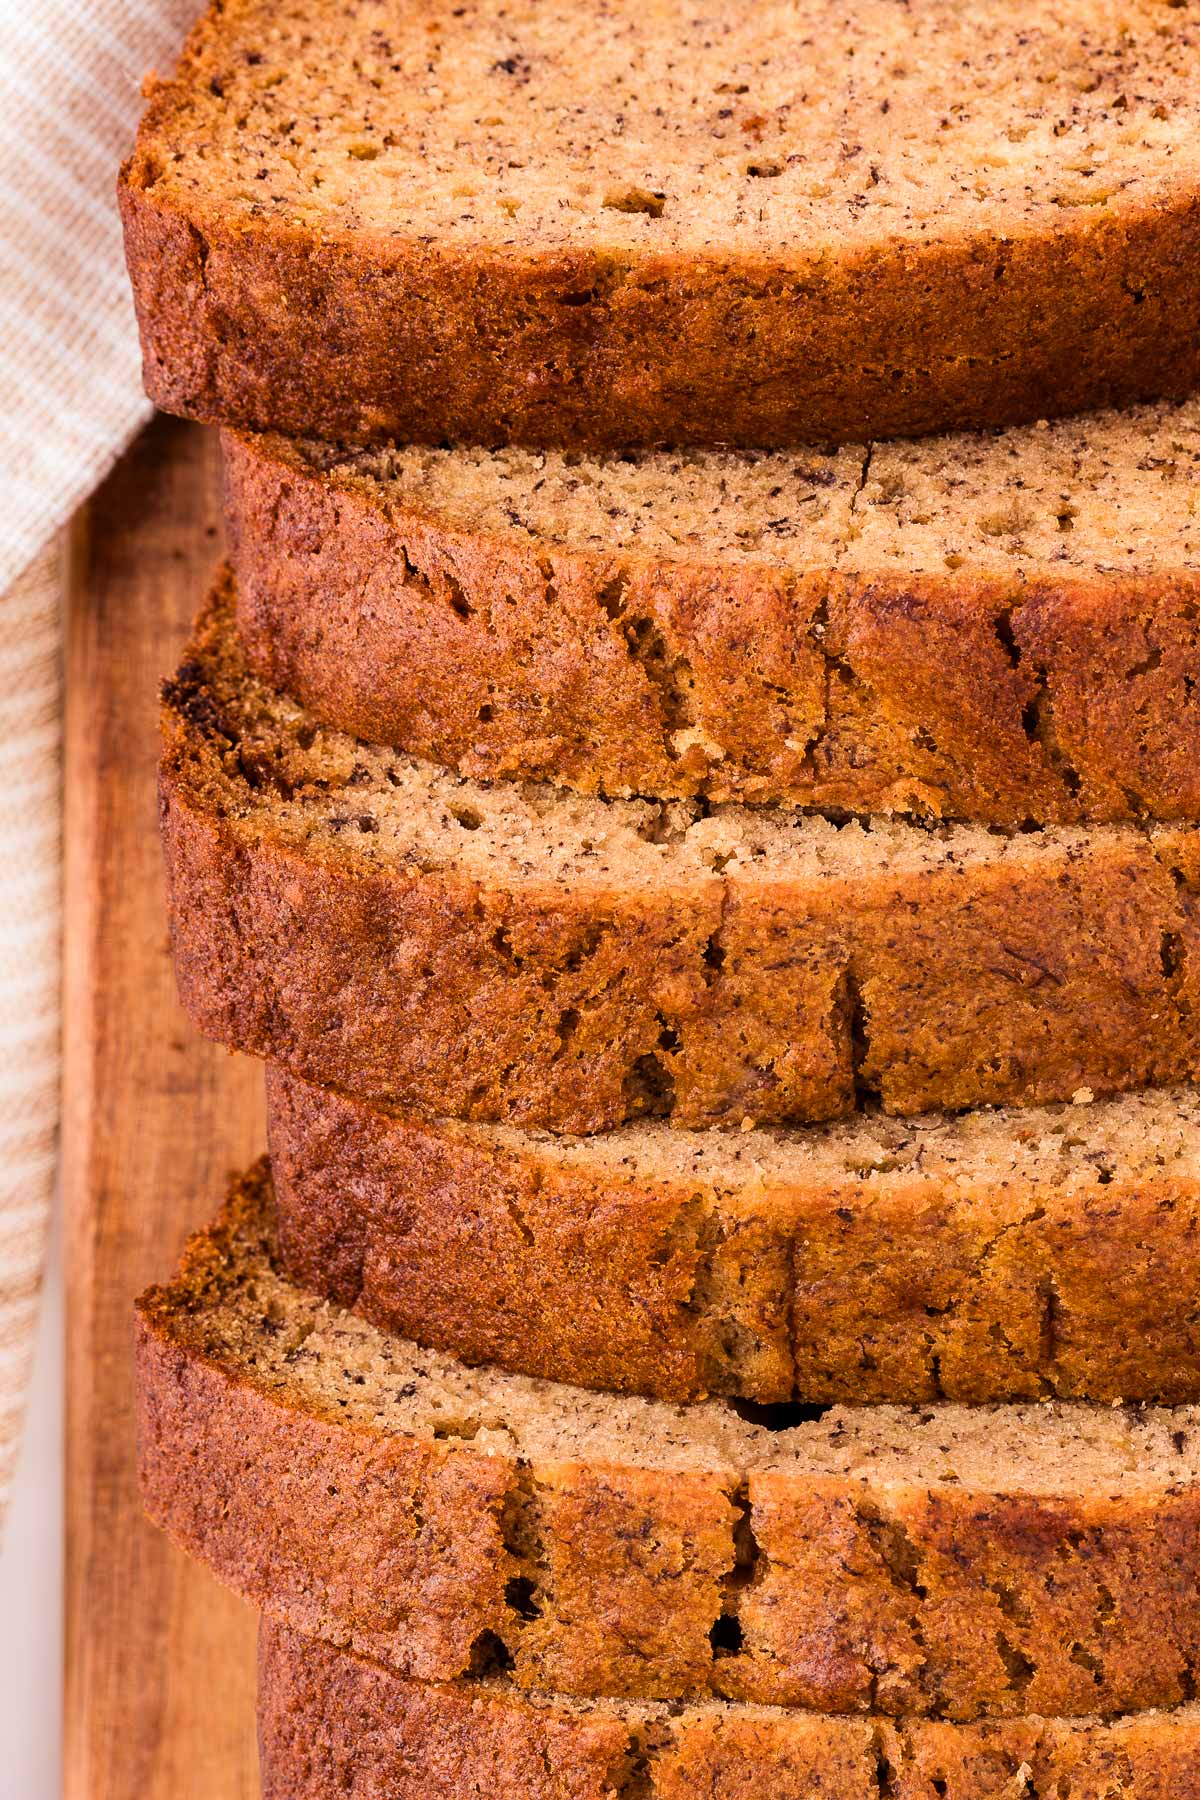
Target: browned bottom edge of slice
x,y
335,1727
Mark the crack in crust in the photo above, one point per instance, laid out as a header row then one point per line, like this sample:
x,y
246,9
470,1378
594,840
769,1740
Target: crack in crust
x,y
886,1269
844,690
327,1718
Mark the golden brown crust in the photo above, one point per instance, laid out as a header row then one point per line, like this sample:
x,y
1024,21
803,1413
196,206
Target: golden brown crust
x,y
357,337
836,1593
330,1522
768,1284
334,1727
712,996
957,695
1033,1576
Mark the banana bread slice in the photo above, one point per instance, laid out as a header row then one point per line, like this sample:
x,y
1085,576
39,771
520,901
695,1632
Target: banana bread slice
x,y
379,925
335,1727
601,222
995,628
953,1561
979,1256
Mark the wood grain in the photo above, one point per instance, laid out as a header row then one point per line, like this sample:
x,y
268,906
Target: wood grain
x,y
159,1661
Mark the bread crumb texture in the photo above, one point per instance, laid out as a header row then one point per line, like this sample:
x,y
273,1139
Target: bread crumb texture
x,y
669,127
606,221
950,1561
512,951
982,1256
1000,627
331,1724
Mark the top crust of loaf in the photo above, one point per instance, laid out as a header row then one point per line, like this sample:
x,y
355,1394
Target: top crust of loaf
x,y
775,130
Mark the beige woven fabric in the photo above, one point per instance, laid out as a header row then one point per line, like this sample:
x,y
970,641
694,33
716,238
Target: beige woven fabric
x,y
70,399
30,714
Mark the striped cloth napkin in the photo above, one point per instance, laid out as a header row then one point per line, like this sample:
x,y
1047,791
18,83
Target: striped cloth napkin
x,y
70,399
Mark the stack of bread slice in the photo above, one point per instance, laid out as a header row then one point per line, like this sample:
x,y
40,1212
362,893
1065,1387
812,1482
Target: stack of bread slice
x,y
714,877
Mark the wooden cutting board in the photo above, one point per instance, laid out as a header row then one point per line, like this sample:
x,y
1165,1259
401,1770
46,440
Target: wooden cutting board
x,y
159,1660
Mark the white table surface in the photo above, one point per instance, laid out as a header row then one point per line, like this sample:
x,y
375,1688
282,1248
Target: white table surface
x,y
31,1576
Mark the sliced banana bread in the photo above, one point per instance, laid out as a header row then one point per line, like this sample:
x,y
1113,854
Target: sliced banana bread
x,y
601,222
979,1256
992,628
377,924
335,1727
956,1562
